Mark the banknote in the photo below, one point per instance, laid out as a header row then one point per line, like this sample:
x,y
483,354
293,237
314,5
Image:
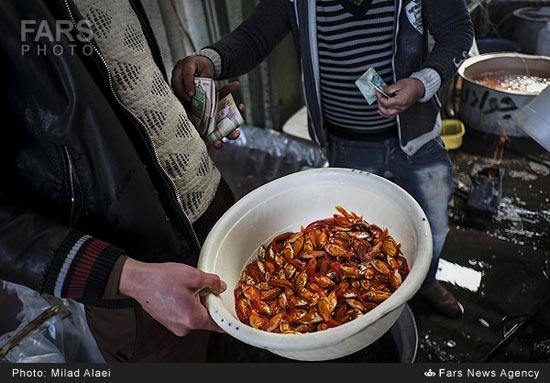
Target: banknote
x,y
213,118
228,118
202,107
197,107
367,82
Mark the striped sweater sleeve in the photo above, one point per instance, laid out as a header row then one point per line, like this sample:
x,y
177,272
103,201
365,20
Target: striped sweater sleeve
x,y
80,268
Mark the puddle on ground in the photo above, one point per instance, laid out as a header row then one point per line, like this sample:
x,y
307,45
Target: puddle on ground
x,y
458,275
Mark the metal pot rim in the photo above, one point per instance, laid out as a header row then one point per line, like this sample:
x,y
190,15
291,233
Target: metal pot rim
x,y
490,56
520,13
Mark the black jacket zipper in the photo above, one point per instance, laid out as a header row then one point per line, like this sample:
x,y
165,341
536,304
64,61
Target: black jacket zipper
x,y
74,189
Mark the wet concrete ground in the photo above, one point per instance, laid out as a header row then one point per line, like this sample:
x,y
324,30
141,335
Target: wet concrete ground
x,y
508,254
495,267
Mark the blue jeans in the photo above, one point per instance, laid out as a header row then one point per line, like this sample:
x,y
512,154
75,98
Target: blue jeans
x,y
426,175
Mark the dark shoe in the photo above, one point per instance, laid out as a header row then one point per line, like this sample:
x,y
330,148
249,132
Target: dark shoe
x,y
443,301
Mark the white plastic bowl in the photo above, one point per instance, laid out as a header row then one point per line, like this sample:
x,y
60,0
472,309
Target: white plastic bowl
x,y
298,199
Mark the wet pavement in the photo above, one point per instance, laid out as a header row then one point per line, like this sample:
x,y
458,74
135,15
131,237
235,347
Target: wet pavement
x,y
494,267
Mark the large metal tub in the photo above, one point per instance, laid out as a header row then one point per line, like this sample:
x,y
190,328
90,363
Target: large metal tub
x,y
490,110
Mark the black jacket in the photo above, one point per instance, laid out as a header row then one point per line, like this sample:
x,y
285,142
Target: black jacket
x,y
80,183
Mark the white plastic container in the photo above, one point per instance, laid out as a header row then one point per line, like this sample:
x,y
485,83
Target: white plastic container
x,y
298,199
543,41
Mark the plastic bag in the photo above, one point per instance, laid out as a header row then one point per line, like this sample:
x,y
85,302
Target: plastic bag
x,y
262,155
58,340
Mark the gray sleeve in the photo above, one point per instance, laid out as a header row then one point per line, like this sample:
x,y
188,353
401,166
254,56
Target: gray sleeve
x,y
431,81
252,41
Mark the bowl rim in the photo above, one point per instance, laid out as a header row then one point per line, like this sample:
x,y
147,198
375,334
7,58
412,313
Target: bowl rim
x,y
332,336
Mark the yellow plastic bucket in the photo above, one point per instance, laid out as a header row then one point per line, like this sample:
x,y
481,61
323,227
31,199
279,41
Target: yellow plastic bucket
x,y
451,133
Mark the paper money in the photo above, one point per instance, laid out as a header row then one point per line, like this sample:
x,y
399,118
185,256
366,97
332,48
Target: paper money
x,y
365,84
228,118
212,119
203,106
197,108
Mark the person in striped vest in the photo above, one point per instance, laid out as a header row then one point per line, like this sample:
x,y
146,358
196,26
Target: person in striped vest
x,y
337,41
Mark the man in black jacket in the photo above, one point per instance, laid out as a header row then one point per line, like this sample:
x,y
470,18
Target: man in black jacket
x,y
337,42
107,190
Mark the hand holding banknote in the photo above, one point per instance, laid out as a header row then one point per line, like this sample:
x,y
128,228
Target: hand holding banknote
x,y
184,83
231,88
407,92
228,119
369,83
392,99
215,114
184,73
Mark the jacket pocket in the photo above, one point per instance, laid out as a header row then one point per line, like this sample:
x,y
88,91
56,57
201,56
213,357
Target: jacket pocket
x,y
73,187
